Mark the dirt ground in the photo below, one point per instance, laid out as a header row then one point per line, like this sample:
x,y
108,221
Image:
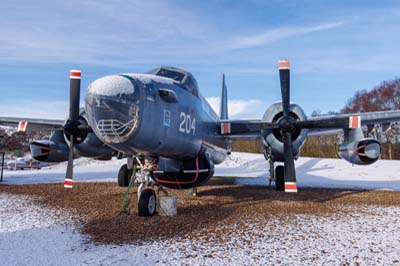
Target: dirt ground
x,y
96,207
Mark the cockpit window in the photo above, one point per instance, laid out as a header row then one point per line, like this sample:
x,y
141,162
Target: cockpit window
x,y
175,75
184,78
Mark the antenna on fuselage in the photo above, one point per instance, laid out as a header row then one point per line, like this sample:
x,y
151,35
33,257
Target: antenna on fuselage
x,y
223,111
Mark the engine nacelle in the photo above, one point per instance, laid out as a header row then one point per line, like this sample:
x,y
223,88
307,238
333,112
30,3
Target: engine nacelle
x,y
52,151
363,152
190,173
93,147
57,148
273,138
89,145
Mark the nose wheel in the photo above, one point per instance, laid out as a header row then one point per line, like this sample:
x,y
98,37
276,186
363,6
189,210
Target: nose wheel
x,y
147,203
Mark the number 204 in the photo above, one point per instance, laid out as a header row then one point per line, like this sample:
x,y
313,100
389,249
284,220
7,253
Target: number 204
x,y
187,124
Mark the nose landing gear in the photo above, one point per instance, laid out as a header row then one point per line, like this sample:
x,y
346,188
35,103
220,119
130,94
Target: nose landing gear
x,y
140,173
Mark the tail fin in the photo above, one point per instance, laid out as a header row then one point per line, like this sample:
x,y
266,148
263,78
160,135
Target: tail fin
x,y
224,101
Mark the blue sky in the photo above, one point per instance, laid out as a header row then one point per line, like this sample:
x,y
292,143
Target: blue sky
x,y
335,48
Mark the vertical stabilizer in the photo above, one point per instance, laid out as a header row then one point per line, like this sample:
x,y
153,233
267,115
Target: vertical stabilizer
x,y
224,101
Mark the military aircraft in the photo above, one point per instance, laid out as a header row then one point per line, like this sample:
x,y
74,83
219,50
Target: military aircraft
x,y
171,137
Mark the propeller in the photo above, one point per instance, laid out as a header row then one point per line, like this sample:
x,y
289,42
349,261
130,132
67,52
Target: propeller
x,y
287,124
73,127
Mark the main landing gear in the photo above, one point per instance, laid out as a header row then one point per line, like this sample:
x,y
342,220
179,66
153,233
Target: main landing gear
x,y
276,174
139,172
280,178
124,176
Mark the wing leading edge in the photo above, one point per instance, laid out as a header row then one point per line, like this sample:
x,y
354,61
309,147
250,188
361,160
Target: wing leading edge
x,y
32,124
245,129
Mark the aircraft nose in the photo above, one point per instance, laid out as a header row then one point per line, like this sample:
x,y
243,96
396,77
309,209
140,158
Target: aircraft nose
x,y
112,106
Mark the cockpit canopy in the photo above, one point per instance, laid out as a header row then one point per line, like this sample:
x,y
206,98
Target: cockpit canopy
x,y
182,77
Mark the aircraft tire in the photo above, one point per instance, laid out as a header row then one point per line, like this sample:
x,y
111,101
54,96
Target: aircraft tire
x,y
147,203
280,178
123,176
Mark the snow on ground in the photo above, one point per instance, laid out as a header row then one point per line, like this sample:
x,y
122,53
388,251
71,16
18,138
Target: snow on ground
x,y
32,235
315,172
368,236
85,169
251,168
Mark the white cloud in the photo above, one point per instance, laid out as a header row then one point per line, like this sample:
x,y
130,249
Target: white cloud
x,y
96,32
279,34
240,109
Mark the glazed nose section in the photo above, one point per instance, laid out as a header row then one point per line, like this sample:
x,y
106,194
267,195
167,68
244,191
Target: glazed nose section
x,y
112,105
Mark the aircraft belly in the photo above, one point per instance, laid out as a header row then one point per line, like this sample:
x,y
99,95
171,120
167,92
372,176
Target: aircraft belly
x,y
182,174
182,180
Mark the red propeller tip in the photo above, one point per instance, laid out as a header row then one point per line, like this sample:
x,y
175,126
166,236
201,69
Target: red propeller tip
x,y
283,64
290,187
68,183
75,74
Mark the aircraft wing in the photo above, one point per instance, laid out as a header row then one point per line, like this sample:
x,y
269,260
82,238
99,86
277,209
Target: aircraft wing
x,y
32,124
370,118
245,129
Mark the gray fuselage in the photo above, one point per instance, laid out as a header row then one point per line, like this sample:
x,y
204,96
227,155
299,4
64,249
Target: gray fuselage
x,y
148,115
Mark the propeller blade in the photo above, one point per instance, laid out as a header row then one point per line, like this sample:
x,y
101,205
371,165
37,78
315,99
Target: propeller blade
x,y
74,94
331,122
290,171
70,167
72,125
284,75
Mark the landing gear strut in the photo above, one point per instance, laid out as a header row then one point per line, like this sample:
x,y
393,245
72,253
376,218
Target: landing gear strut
x,y
276,174
268,156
